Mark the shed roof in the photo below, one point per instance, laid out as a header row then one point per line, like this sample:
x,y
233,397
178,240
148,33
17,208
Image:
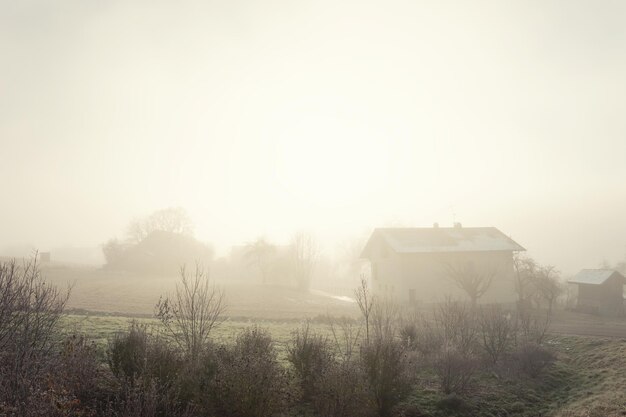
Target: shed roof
x,y
594,276
442,239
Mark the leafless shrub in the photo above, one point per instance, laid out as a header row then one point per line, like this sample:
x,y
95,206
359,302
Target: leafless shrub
x,y
346,335
249,380
457,323
409,334
531,359
30,310
310,356
429,338
342,391
533,326
388,371
192,312
149,372
127,353
497,330
148,399
365,301
455,369
409,327
79,371
385,316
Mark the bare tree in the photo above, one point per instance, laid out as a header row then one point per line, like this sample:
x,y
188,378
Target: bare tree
x,y
259,254
548,284
525,269
305,254
192,312
365,301
173,219
534,282
474,281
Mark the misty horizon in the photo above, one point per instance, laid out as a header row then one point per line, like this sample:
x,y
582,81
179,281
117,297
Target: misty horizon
x,y
267,119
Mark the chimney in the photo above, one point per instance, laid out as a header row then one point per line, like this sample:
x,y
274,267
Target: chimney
x,y
457,225
435,225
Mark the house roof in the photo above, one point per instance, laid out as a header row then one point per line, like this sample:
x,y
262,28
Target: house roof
x,y
594,276
442,239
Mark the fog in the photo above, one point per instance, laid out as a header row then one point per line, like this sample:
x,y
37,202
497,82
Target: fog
x,y
265,118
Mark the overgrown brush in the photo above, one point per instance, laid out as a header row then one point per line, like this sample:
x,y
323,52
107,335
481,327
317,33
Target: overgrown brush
x,y
310,356
249,381
455,369
497,331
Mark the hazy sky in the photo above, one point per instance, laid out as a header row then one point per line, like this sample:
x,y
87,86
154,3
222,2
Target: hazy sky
x,y
265,117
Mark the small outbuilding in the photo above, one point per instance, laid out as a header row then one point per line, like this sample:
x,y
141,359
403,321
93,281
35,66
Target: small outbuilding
x,y
600,291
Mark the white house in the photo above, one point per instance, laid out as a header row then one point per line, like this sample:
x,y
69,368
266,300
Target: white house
x,y
422,265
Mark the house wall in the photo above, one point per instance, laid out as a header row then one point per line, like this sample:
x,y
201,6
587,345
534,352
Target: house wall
x,y
424,278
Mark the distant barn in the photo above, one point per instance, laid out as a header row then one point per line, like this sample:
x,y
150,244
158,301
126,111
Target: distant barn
x,y
600,291
412,265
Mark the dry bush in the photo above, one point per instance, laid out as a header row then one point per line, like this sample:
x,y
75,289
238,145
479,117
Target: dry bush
x,y
385,316
429,339
127,353
192,312
342,391
497,330
388,370
346,336
454,360
147,399
137,354
455,369
365,300
531,359
310,356
533,326
80,372
30,310
457,324
249,381
409,328
409,334
149,373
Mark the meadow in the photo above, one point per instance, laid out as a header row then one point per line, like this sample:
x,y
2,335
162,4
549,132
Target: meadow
x,y
586,379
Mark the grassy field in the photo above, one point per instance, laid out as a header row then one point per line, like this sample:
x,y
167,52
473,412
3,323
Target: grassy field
x,y
128,294
101,328
588,378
